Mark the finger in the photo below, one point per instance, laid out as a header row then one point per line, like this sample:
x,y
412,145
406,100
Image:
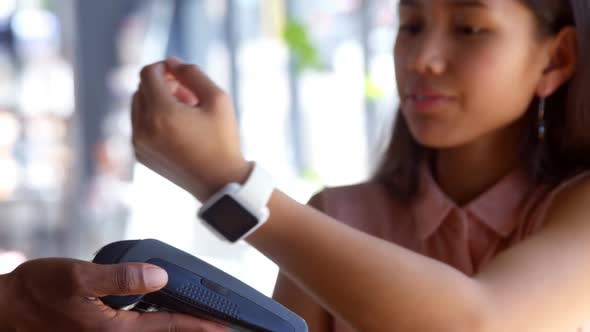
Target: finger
x,y
165,322
154,83
195,80
139,116
122,279
185,96
135,112
183,93
173,84
174,61
179,91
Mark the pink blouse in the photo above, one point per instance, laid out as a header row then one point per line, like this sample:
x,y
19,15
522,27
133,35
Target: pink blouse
x,y
464,237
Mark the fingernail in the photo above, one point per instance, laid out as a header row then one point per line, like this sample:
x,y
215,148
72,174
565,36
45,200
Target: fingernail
x,y
154,277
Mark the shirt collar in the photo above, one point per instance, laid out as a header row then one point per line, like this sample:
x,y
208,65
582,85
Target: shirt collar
x,y
431,206
499,207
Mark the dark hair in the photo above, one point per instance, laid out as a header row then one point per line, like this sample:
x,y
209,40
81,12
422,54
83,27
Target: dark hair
x,y
566,147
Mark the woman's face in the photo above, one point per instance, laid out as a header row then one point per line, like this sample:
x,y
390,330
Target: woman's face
x,y
466,68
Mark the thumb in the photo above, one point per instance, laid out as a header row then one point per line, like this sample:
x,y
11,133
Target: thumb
x,y
123,279
194,79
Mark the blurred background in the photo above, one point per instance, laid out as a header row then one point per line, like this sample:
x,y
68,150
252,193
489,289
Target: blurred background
x,y
314,91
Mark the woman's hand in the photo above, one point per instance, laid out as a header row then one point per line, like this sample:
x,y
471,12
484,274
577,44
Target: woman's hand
x,y
184,128
58,294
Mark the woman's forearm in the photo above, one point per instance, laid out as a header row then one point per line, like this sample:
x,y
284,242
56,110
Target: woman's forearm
x,y
373,284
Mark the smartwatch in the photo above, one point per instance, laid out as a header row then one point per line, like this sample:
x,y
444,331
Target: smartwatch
x,y
236,211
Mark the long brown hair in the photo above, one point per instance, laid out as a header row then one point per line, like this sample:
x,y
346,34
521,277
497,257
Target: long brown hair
x,y
566,148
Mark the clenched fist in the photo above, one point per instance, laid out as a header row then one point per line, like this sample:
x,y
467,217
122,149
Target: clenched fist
x,y
185,129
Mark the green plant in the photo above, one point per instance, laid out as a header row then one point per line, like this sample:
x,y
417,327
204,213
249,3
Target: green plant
x,y
297,38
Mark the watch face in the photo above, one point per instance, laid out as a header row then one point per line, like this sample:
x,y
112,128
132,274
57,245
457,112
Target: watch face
x,y
229,218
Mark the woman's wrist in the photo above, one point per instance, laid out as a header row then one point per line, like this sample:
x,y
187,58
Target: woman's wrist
x,y
237,172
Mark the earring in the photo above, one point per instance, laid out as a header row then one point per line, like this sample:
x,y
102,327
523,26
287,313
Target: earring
x,y
541,130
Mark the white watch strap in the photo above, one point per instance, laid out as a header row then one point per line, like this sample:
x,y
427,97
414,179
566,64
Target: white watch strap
x,y
258,188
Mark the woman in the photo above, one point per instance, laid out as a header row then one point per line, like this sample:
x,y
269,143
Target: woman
x,y
478,217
